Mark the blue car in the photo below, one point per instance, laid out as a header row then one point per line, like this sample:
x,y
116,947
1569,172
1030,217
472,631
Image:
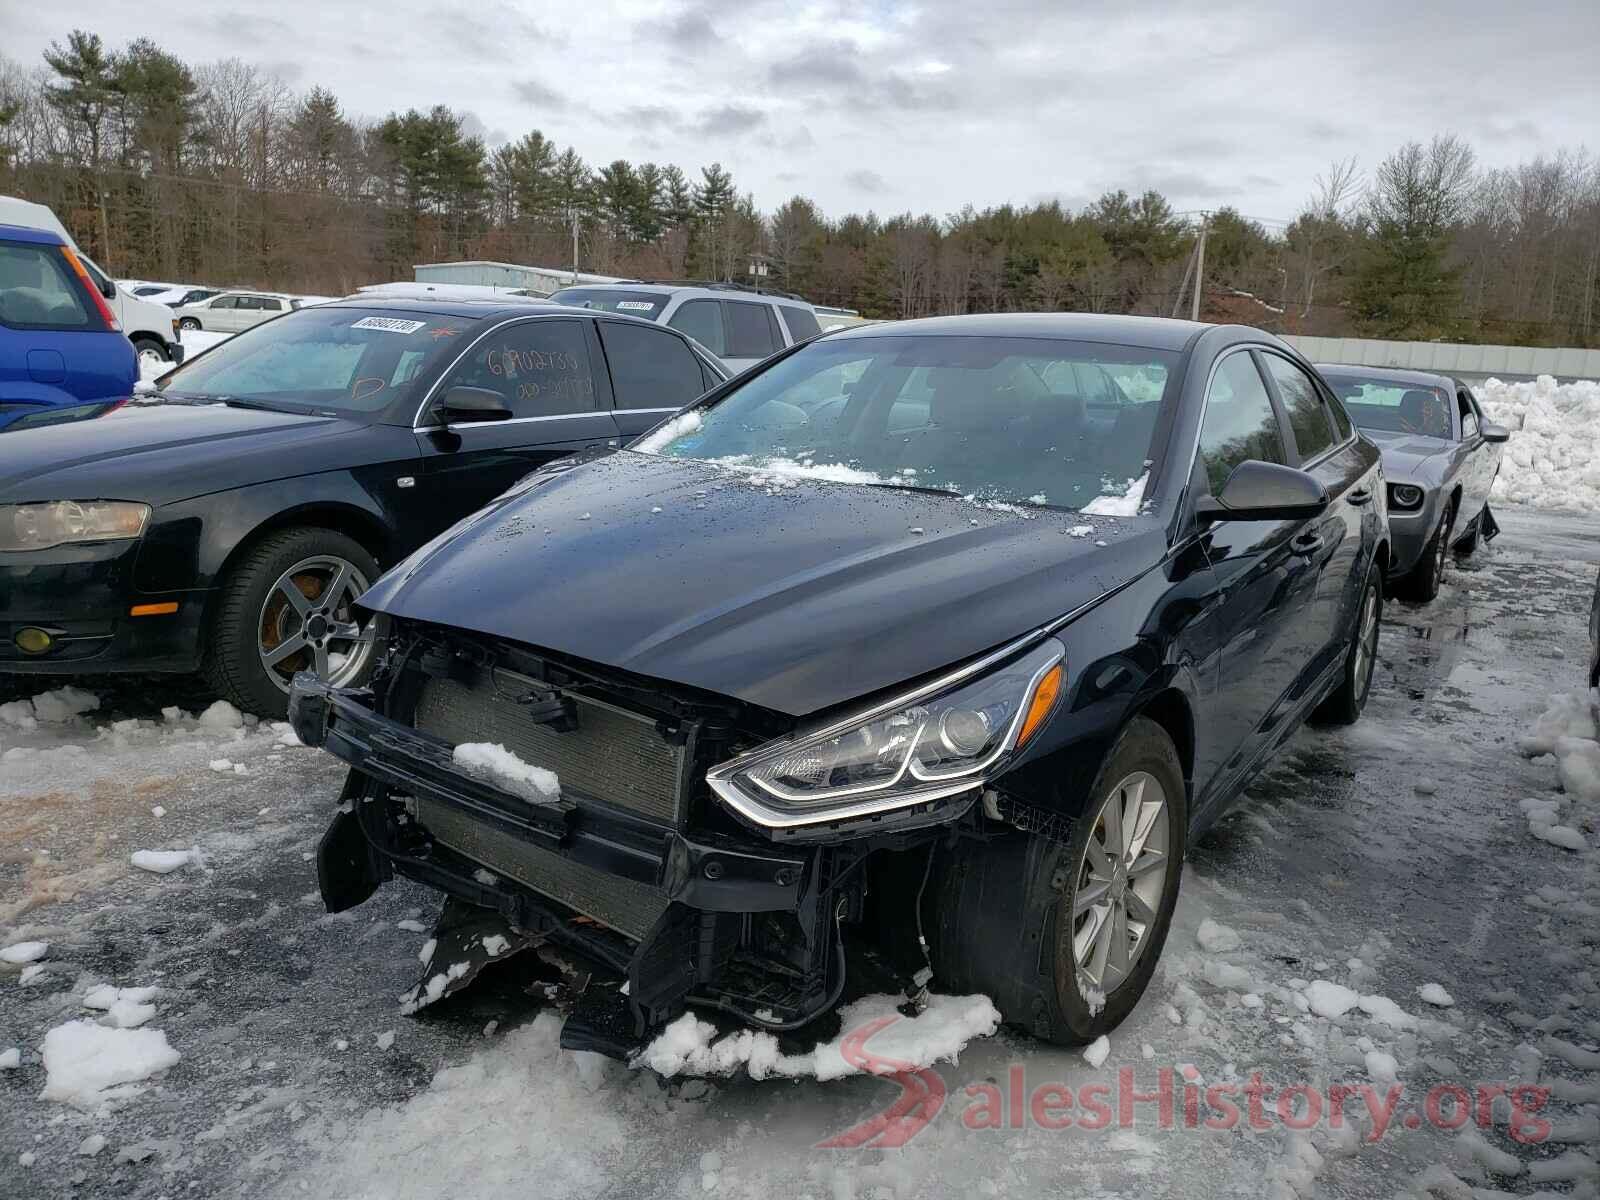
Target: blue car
x,y
63,355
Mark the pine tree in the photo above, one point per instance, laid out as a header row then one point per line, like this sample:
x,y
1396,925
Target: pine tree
x,y
85,97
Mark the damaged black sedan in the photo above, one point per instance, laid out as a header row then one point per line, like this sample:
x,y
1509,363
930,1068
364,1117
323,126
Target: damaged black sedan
x,y
928,646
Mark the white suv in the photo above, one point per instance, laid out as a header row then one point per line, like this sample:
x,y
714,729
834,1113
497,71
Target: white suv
x,y
233,311
740,325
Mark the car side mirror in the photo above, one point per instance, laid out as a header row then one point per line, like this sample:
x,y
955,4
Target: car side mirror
x,y
1494,433
464,404
108,289
1263,491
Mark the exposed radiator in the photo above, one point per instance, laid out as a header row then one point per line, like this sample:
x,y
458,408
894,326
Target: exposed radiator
x,y
612,755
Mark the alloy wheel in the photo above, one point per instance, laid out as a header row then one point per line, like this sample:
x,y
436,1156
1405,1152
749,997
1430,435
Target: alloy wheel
x,y
1366,641
308,623
1120,885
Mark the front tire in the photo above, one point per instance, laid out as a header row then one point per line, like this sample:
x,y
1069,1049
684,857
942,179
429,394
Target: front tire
x,y
1345,704
1065,936
287,606
189,323
1422,584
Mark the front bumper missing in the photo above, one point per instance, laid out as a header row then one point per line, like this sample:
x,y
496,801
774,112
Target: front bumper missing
x,y
702,945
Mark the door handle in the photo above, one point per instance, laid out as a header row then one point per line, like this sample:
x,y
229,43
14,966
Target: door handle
x,y
1360,496
1307,543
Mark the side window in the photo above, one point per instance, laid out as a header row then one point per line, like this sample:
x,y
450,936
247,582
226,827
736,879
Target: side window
x,y
540,367
253,303
36,288
1303,403
801,323
1341,419
702,320
650,368
225,302
1469,418
271,304
750,330
1240,422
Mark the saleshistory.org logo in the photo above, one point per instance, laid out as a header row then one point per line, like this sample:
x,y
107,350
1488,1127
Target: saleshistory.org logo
x,y
1176,1098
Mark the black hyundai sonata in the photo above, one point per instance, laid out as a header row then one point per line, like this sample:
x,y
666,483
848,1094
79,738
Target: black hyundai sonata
x,y
925,646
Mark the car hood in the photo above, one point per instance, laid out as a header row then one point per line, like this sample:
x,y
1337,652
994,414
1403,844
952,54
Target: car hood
x,y
1404,454
163,452
792,594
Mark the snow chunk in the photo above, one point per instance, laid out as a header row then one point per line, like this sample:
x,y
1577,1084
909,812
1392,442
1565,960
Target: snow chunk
x,y
1329,999
939,1032
30,973
1097,1051
24,952
163,862
494,945
1081,531
654,443
221,717
10,1059
60,706
1125,505
1434,993
87,1065
104,995
496,765
1216,938
1381,1066
127,1014
1386,1011
411,926
92,1145
1225,975
385,1039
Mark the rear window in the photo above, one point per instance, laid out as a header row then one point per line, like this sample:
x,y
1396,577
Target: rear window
x,y
800,322
38,291
636,304
1393,406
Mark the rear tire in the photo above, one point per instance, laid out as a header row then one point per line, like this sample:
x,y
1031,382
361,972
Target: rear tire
x,y
149,349
1422,584
189,323
1008,916
255,616
1344,705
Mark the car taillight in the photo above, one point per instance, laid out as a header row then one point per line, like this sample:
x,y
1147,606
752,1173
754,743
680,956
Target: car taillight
x,y
110,318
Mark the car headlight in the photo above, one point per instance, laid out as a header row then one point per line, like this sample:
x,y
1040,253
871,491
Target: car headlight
x,y
942,740
40,526
1404,495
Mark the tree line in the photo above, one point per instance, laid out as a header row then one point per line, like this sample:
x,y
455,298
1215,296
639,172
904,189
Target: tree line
x,y
219,172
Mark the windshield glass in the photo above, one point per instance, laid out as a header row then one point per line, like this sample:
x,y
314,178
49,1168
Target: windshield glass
x,y
348,360
639,304
1016,420
1393,406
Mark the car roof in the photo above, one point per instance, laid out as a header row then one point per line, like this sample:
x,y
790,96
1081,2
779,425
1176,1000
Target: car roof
x,y
725,291
26,233
1392,374
483,309
1156,333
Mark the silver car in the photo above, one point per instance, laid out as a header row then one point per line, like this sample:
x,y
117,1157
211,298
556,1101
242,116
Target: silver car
x,y
1440,456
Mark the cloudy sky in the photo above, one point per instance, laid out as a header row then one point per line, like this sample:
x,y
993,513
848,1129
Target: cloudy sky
x,y
929,105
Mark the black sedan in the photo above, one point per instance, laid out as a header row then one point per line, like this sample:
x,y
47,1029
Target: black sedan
x,y
957,656
228,522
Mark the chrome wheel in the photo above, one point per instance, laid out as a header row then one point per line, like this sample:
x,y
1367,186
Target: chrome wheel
x,y
308,622
188,323
153,357
1120,883
1366,642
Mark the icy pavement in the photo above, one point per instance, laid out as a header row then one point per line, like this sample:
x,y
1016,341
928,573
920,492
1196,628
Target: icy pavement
x,y
1379,909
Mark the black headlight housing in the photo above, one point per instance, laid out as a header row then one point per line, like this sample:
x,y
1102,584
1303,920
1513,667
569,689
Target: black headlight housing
x,y
1406,497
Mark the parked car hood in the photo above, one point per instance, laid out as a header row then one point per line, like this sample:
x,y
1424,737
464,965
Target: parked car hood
x,y
795,595
162,452
1404,454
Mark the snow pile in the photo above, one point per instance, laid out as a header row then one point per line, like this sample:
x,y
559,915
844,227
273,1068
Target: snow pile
x,y
496,765
163,862
1125,505
1553,457
87,1065
49,708
689,1046
1568,730
656,441
24,952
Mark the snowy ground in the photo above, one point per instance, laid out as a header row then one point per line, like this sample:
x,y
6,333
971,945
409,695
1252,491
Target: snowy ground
x,y
1368,865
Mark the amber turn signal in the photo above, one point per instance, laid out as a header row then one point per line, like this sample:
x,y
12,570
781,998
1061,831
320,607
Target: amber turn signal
x,y
1045,693
154,610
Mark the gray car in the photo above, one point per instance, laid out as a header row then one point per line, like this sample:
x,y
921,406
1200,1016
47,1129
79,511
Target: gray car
x,y
1440,456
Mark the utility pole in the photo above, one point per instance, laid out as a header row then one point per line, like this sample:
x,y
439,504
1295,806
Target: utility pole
x,y
1199,270
574,245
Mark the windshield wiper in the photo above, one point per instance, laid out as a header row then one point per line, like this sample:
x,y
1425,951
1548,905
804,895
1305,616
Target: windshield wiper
x,y
915,487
